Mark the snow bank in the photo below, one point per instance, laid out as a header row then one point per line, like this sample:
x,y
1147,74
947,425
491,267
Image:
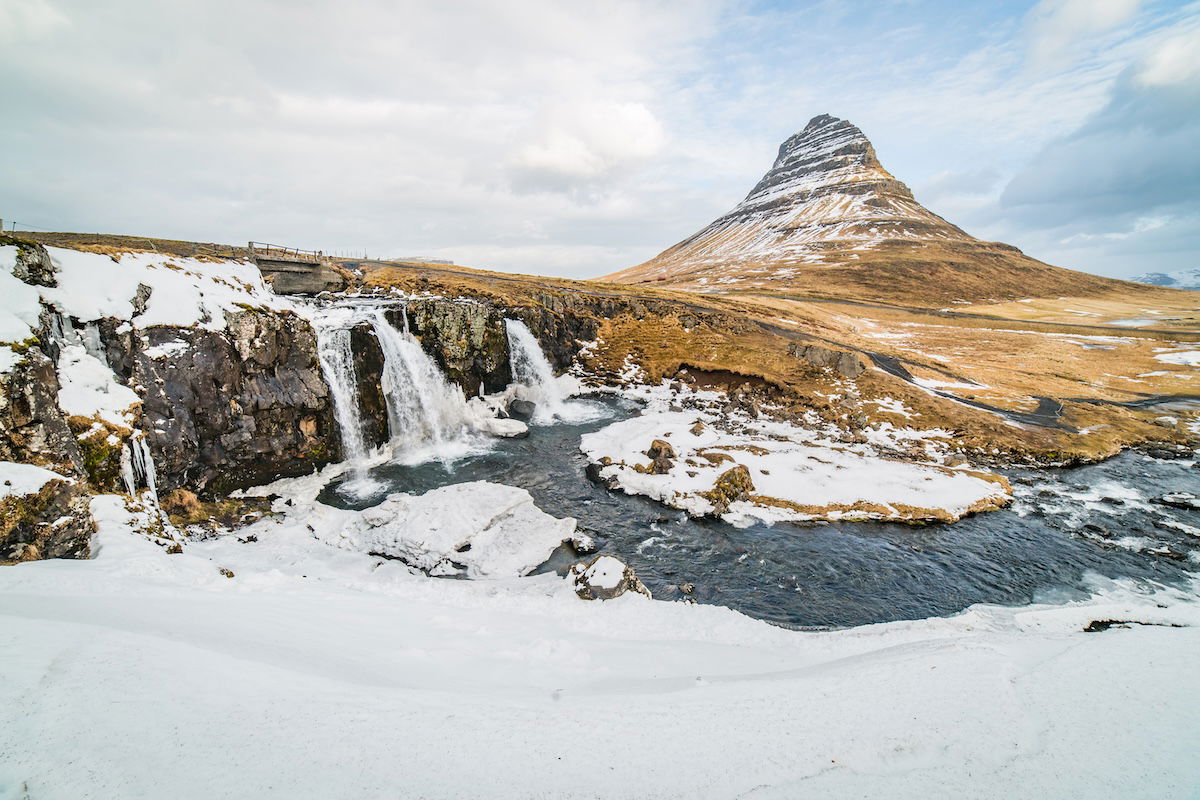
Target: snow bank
x,y
22,479
378,682
478,529
797,474
1184,358
184,292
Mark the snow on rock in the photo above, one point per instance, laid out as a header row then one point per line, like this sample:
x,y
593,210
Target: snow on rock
x,y
19,302
9,358
88,388
477,529
21,479
183,292
796,474
147,289
605,578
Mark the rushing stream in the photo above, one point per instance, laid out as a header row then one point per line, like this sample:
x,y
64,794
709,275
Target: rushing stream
x,y
840,574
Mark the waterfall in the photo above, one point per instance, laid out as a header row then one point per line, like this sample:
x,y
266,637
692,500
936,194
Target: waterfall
x,y
137,466
531,369
337,364
425,411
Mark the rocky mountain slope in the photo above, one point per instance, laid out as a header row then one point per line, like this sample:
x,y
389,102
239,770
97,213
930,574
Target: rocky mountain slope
x,y
1180,279
828,220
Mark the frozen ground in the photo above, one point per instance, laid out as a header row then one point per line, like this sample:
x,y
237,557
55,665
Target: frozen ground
x,y
319,672
799,471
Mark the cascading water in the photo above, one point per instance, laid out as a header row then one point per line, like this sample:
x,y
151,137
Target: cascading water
x,y
534,376
427,415
337,363
531,369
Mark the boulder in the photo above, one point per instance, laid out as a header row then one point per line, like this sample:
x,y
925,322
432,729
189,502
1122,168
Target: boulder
x,y
733,485
522,409
845,363
662,456
471,530
505,428
603,578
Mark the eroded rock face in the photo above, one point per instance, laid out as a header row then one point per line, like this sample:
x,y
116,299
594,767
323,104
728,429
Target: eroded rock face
x,y
846,363
33,429
54,522
233,408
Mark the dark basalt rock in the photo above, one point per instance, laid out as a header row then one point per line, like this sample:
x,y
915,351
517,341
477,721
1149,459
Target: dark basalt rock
x,y
662,456
846,363
33,428
54,522
522,409
237,407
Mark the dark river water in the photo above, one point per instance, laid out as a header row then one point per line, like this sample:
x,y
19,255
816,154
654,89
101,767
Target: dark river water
x,y
1065,524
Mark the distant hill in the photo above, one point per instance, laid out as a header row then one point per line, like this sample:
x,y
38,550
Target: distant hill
x,y
1181,279
828,219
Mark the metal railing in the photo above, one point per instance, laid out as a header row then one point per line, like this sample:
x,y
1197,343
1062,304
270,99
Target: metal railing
x,y
281,253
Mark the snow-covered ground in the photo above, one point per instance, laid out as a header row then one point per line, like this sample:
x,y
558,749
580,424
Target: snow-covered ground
x,y
799,472
316,671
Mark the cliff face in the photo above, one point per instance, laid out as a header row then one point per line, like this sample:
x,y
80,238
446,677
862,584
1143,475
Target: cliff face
x,y
828,219
234,408
219,377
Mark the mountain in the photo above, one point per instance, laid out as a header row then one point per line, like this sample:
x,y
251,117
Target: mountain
x,y
828,219
1182,279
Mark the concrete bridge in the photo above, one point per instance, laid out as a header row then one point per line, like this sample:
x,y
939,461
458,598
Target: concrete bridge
x,y
291,270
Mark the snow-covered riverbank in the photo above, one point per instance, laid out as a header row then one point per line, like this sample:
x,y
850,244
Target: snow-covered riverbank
x,y
316,671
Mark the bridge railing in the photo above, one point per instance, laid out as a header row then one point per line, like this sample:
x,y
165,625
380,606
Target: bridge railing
x,y
281,253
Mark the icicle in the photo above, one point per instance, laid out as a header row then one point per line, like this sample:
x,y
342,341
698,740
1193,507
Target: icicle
x,y
137,466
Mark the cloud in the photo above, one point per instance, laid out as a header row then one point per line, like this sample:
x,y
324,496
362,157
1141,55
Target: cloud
x,y
570,137
1057,26
581,144
1129,174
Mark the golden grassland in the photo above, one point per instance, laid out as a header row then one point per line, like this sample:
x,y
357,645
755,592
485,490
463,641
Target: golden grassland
x,y
923,274
1005,363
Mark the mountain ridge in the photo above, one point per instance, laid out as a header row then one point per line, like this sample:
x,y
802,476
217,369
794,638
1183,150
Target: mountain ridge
x,y
827,218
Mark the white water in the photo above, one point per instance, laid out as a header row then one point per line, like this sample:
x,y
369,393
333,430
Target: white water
x,y
337,363
428,416
531,370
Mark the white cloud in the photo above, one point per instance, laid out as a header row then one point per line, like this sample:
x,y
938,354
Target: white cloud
x,y
585,142
1175,61
21,19
1056,26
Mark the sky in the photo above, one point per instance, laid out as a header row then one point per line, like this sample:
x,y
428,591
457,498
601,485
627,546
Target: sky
x,y
577,139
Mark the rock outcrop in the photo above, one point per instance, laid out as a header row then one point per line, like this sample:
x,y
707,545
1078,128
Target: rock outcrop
x,y
53,521
33,429
844,362
234,408
605,578
733,485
